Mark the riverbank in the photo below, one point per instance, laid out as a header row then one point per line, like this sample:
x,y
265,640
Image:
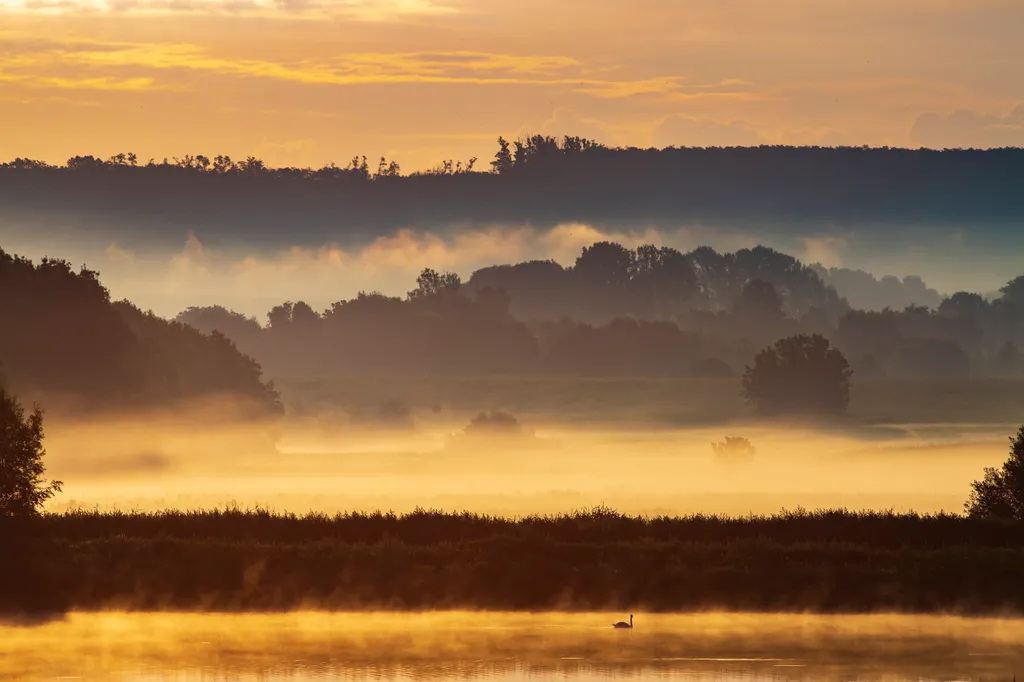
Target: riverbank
x,y
825,562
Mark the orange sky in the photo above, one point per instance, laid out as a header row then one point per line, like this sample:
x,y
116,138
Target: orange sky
x,y
309,81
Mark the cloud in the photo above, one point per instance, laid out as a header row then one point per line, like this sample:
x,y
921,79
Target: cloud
x,y
628,88
70,83
46,64
966,128
361,10
679,130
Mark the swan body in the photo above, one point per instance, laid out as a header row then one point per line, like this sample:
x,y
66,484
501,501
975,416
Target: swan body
x,y
622,624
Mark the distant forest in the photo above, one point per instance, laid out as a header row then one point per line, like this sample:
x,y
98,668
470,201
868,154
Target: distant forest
x,y
538,180
65,341
646,312
650,311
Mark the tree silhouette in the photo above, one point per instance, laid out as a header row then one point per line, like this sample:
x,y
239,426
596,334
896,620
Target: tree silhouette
x,y
502,158
431,283
22,488
1001,492
605,264
800,373
1013,291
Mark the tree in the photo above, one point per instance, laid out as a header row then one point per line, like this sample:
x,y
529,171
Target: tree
x,y
22,489
799,373
1000,493
759,303
503,158
605,264
431,283
963,304
1013,291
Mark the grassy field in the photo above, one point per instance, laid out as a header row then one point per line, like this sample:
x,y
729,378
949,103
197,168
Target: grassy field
x,y
676,402
829,562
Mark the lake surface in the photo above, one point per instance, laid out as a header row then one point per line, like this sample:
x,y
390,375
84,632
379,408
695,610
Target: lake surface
x,y
498,646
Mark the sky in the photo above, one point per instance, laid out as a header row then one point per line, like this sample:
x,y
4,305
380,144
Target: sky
x,y
306,82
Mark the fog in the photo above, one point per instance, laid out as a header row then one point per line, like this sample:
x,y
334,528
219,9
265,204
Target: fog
x,y
494,646
333,462
251,280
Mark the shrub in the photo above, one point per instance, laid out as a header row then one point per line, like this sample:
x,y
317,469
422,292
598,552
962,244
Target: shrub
x,y
734,449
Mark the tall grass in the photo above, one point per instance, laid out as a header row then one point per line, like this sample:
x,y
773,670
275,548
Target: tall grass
x,y
231,559
425,527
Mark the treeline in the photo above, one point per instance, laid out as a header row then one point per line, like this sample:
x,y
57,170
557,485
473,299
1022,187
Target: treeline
x,y
864,291
540,180
829,561
650,311
65,342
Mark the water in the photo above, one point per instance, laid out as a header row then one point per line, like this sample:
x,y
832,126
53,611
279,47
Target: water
x,y
493,647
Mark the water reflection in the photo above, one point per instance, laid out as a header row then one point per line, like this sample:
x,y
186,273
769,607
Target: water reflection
x,y
495,647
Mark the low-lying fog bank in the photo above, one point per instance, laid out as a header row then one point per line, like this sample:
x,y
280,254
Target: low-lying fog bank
x,y
494,646
536,466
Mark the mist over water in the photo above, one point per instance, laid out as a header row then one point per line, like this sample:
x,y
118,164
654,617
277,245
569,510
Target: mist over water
x,y
500,646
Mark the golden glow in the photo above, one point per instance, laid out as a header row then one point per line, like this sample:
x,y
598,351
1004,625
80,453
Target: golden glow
x,y
456,645
310,81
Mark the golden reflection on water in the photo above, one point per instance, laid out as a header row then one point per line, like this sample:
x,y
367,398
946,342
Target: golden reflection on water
x,y
500,646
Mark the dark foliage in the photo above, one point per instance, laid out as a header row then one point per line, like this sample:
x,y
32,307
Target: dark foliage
x,y
493,423
64,338
22,487
798,374
660,283
825,561
537,179
649,311
1000,493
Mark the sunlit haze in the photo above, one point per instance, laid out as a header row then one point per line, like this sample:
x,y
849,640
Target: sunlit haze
x,y
305,83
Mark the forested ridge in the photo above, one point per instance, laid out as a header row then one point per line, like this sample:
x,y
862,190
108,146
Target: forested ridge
x,y
538,180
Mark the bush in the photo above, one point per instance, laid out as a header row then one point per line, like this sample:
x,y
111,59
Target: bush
x,y
734,449
799,373
494,423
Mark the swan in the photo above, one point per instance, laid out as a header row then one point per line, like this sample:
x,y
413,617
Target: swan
x,y
623,624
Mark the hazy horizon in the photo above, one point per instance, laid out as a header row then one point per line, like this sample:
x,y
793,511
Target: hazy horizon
x,y
252,280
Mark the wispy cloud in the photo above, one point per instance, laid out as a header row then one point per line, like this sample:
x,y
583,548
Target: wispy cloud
x,y
45,64
70,83
364,10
